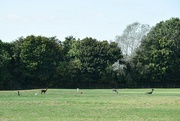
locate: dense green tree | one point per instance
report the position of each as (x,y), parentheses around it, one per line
(95,58)
(37,61)
(67,44)
(16,64)
(159,54)
(40,57)
(68,73)
(5,70)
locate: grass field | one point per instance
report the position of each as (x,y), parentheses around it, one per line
(92,105)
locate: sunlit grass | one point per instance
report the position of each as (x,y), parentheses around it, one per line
(92,105)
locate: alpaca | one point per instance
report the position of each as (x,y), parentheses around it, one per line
(150,92)
(43,91)
(77,90)
(115,90)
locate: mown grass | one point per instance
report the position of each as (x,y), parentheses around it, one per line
(92,105)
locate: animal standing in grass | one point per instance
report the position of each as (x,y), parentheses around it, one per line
(18,93)
(77,90)
(43,91)
(150,92)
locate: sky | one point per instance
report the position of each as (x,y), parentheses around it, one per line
(100,19)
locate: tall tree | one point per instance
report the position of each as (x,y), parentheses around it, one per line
(16,64)
(5,73)
(69,69)
(159,52)
(131,37)
(96,57)
(40,57)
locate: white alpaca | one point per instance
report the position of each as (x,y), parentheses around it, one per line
(77,90)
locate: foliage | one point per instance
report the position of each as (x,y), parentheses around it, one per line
(5,59)
(89,60)
(40,57)
(159,53)
(96,57)
(131,38)
(38,61)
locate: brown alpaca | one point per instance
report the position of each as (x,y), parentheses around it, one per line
(43,91)
(18,93)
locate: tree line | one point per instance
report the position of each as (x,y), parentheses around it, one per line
(140,57)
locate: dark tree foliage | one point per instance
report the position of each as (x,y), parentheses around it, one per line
(158,58)
(95,58)
(40,62)
(40,57)
(89,61)
(5,67)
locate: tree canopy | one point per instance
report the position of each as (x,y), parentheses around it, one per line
(40,62)
(159,52)
(131,38)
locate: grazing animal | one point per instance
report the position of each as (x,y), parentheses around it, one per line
(150,92)
(115,90)
(18,93)
(43,91)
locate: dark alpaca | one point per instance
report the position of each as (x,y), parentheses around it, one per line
(43,91)
(18,93)
(115,90)
(150,92)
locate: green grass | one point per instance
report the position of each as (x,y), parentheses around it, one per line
(92,105)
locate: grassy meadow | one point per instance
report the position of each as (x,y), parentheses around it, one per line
(92,105)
